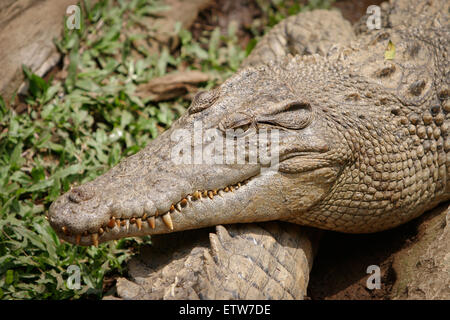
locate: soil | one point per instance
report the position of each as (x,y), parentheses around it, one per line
(222,12)
(353,10)
(339,270)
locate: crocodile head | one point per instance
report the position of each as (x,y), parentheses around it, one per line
(184,180)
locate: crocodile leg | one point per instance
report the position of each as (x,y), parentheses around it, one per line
(246,261)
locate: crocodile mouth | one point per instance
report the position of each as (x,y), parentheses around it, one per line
(185,213)
(147,223)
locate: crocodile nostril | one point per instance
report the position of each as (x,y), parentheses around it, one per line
(80,194)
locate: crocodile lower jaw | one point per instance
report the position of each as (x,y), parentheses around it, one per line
(148,223)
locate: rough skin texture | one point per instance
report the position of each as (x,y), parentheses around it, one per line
(244,261)
(363,141)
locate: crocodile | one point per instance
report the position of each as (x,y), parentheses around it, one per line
(361,121)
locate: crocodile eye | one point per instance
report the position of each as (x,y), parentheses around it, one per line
(293,115)
(236,124)
(240,131)
(203,100)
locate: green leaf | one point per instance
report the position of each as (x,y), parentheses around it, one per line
(9,276)
(73,65)
(250,46)
(16,160)
(73,169)
(3,110)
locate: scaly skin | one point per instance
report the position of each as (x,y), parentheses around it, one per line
(363,144)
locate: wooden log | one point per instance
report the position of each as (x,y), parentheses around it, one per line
(27,30)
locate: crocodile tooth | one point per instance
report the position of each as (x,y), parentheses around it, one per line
(205,194)
(239,184)
(168,221)
(139,223)
(172,208)
(111,223)
(64,229)
(183,203)
(127,224)
(210,194)
(133,220)
(151,222)
(78,239)
(118,223)
(196,195)
(214,192)
(178,206)
(123,222)
(231,188)
(100,231)
(226,189)
(94,238)
(144,217)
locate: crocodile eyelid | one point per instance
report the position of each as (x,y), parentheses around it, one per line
(289,116)
(236,120)
(203,100)
(296,105)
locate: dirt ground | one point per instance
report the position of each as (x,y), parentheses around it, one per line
(339,270)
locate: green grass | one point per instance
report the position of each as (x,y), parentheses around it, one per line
(77,128)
